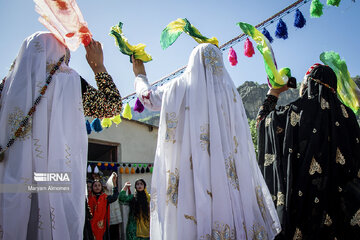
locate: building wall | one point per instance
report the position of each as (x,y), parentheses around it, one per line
(136,144)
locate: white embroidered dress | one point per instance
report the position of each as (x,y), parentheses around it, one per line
(54,141)
(206,183)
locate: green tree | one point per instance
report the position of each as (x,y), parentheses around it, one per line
(253,131)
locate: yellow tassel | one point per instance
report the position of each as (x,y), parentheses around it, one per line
(106,122)
(116,119)
(127,112)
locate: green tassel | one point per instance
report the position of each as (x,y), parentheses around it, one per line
(316,9)
(333,2)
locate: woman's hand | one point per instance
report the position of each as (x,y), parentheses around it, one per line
(276,91)
(114,179)
(127,185)
(138,66)
(95,57)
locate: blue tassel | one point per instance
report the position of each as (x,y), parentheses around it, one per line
(266,33)
(300,21)
(96,125)
(281,30)
(88,127)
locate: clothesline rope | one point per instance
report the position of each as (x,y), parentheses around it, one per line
(227,45)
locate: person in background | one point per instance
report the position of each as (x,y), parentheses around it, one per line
(138,225)
(309,153)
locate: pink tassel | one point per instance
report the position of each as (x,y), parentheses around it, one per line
(232,57)
(249,49)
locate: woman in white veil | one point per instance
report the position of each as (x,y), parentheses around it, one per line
(206,183)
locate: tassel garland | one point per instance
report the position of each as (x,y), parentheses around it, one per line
(139,107)
(281,30)
(232,57)
(316,9)
(266,33)
(300,21)
(249,48)
(96,125)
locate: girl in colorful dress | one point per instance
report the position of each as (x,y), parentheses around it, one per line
(138,226)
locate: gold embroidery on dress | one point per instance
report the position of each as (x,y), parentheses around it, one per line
(236,144)
(52,217)
(314,167)
(171,124)
(244,225)
(14,120)
(345,114)
(38,47)
(191,163)
(231,172)
(273,197)
(300,193)
(339,189)
(260,201)
(220,232)
(316,200)
(153,201)
(297,235)
(209,193)
(355,219)
(67,155)
(100,224)
(267,121)
(190,218)
(339,157)
(280,199)
(38,151)
(234,94)
(213,60)
(204,138)
(324,104)
(269,159)
(328,220)
(258,232)
(51,64)
(173,185)
(294,119)
(279,130)
(357,140)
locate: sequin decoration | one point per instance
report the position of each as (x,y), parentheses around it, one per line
(269,159)
(345,114)
(260,201)
(297,234)
(231,172)
(209,193)
(324,104)
(14,119)
(294,118)
(52,217)
(234,94)
(339,157)
(280,199)
(40,223)
(316,200)
(314,167)
(153,201)
(328,220)
(67,155)
(236,144)
(213,61)
(300,193)
(355,220)
(171,124)
(220,231)
(192,218)
(173,185)
(258,232)
(204,138)
(279,130)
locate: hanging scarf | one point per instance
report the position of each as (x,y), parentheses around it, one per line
(309,154)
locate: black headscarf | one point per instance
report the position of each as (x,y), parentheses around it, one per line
(139,205)
(309,153)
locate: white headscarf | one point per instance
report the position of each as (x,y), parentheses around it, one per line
(206,183)
(54,141)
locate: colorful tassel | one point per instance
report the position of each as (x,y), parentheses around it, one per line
(151,170)
(249,48)
(300,21)
(106,123)
(137,170)
(142,170)
(102,167)
(266,33)
(116,119)
(89,169)
(88,127)
(139,107)
(316,9)
(132,170)
(333,2)
(96,125)
(96,170)
(121,170)
(147,169)
(127,112)
(281,30)
(232,57)
(127,170)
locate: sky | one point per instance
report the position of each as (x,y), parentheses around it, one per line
(337,30)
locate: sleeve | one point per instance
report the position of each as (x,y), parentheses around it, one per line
(112,198)
(268,105)
(150,97)
(125,198)
(104,102)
